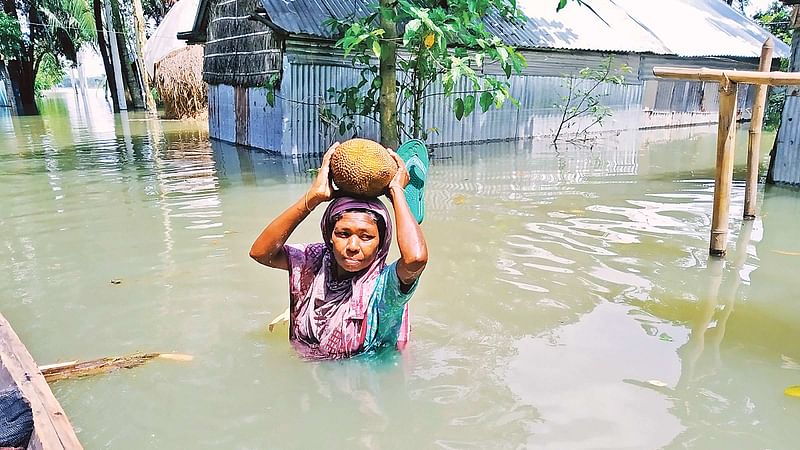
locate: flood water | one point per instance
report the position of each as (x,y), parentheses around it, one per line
(569,301)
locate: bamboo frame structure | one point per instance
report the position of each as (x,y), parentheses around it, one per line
(754,141)
(723,178)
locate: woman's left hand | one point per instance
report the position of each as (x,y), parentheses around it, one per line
(401,177)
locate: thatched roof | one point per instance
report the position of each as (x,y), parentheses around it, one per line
(240,50)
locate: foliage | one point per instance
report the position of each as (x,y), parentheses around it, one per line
(69,24)
(156,9)
(741,3)
(54,31)
(272,83)
(10,37)
(776,19)
(445,43)
(50,74)
(585,93)
(774,108)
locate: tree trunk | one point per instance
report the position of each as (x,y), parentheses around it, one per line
(130,78)
(12,93)
(23,78)
(388,72)
(21,71)
(139,18)
(101,42)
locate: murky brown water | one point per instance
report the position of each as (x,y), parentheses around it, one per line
(569,301)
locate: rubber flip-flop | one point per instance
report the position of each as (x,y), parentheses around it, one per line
(415,154)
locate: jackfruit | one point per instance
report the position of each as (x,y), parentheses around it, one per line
(362,167)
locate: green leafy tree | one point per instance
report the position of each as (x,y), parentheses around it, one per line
(10,37)
(776,18)
(443,42)
(54,27)
(50,73)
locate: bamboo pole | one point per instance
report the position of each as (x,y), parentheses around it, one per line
(140,40)
(736,76)
(726,140)
(754,142)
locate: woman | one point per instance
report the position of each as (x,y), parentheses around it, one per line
(344,299)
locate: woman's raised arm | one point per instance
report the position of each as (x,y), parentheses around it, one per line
(410,240)
(268,246)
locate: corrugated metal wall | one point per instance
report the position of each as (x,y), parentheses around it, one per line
(787,154)
(293,127)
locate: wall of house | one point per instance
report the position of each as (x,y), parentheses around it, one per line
(293,126)
(787,157)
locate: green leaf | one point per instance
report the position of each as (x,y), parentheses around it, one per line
(413,26)
(271,98)
(486,101)
(561,5)
(458,108)
(507,70)
(469,104)
(503,53)
(376,48)
(376,82)
(342,128)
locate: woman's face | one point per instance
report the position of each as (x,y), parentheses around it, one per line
(355,241)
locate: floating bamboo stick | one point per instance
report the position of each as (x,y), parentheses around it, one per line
(726,140)
(79,369)
(754,143)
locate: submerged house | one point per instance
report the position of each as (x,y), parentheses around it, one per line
(248,43)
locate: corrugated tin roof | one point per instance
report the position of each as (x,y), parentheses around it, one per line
(665,27)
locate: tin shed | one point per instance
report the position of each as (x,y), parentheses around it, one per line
(248,42)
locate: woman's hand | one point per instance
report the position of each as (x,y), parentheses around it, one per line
(321,189)
(401,178)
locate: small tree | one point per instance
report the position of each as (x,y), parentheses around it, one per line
(442,42)
(585,94)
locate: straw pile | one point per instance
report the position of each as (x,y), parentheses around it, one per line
(179,80)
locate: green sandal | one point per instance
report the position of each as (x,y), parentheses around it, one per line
(415,154)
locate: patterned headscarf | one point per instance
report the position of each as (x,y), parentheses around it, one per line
(329,317)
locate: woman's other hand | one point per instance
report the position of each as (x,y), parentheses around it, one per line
(321,189)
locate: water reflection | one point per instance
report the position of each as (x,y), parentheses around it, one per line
(569,301)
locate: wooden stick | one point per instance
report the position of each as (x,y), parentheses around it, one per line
(754,143)
(736,76)
(79,369)
(726,140)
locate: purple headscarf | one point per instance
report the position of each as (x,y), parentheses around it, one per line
(328,315)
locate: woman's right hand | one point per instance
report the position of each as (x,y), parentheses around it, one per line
(321,189)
